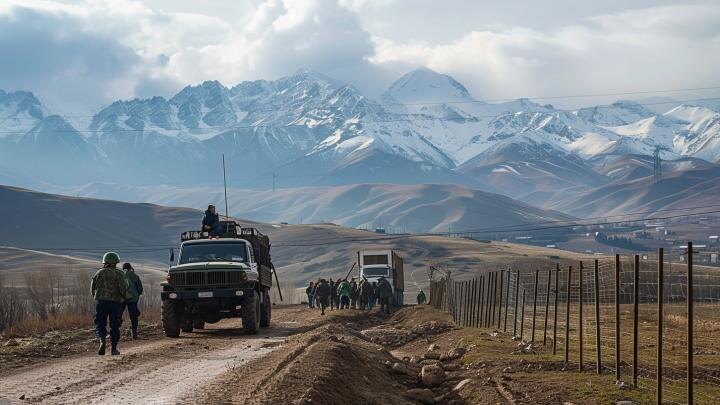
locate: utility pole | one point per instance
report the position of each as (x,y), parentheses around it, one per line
(657,165)
(274,177)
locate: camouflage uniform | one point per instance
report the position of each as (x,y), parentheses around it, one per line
(110,289)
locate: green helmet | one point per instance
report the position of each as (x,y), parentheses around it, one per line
(111,258)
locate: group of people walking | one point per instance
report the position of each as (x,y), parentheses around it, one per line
(114,291)
(344,294)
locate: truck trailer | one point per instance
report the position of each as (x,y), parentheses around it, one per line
(373,264)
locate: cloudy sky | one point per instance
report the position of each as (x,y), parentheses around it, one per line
(79,55)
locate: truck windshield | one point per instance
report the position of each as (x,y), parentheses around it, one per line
(375,272)
(213,252)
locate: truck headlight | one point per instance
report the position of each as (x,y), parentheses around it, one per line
(172,296)
(239,293)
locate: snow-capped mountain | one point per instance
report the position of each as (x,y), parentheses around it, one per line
(310,129)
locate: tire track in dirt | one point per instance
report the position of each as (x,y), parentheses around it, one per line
(158,372)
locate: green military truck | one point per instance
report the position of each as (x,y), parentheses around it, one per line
(215,278)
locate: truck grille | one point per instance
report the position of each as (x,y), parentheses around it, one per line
(205,278)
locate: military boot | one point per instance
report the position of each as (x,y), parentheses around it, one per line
(101,349)
(115,351)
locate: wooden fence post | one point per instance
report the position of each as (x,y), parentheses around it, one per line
(690,295)
(522,316)
(636,296)
(482,300)
(661,316)
(547,307)
(598,341)
(567,316)
(494,299)
(502,276)
(580,317)
(537,274)
(618,372)
(507,300)
(557,292)
(517,291)
(473,319)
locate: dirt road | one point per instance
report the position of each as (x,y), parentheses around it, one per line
(154,371)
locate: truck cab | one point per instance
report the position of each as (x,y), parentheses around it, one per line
(217,278)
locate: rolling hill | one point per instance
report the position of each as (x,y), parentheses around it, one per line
(406,208)
(143,233)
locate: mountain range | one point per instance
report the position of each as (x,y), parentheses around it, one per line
(308,129)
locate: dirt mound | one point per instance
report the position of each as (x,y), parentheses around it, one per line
(330,364)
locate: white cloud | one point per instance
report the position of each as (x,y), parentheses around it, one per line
(94,51)
(653,48)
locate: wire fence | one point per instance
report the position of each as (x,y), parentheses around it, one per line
(651,320)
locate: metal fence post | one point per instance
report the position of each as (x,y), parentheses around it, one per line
(636,296)
(557,286)
(580,317)
(690,294)
(567,316)
(661,315)
(537,274)
(502,277)
(507,300)
(547,303)
(598,341)
(517,291)
(618,372)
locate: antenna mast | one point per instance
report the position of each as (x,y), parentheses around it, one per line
(225,185)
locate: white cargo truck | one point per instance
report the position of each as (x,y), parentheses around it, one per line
(374,264)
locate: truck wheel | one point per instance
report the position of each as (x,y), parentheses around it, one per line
(170,314)
(251,315)
(187,326)
(198,324)
(266,311)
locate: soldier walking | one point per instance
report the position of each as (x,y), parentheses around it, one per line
(421,297)
(310,291)
(135,290)
(109,288)
(344,293)
(322,293)
(333,294)
(353,293)
(385,292)
(365,293)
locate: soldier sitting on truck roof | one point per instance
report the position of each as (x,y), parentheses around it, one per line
(211,222)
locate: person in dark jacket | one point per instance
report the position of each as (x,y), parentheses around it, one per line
(353,293)
(365,293)
(211,222)
(310,291)
(385,294)
(135,290)
(322,294)
(333,294)
(109,288)
(373,296)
